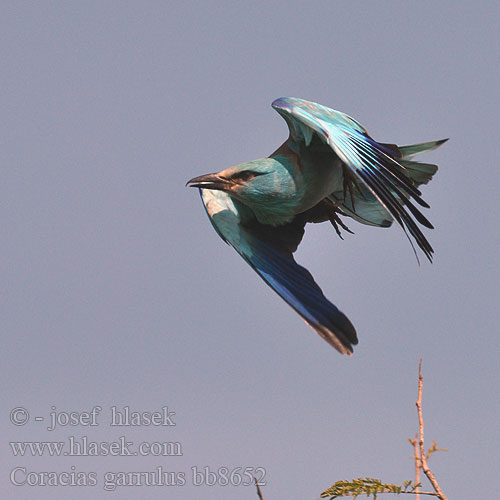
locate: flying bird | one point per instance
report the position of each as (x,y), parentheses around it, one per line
(328,167)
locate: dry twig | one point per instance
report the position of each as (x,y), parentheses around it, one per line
(422,457)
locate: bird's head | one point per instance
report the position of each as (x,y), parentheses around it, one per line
(263,185)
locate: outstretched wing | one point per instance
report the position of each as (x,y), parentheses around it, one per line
(268,250)
(375,165)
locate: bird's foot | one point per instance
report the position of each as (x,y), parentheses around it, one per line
(336,221)
(333,216)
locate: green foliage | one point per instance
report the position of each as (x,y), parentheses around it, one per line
(366,486)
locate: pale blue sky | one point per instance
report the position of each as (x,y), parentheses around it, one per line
(117,291)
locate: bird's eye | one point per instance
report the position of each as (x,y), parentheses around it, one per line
(246,175)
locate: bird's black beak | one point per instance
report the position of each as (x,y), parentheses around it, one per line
(209,181)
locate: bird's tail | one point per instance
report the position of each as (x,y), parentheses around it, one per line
(419,173)
(408,152)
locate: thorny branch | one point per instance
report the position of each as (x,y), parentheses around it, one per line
(419,453)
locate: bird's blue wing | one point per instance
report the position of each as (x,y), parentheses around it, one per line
(374,164)
(269,251)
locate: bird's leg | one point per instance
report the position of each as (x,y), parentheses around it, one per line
(350,181)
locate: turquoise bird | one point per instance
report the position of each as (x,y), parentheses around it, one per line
(328,167)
